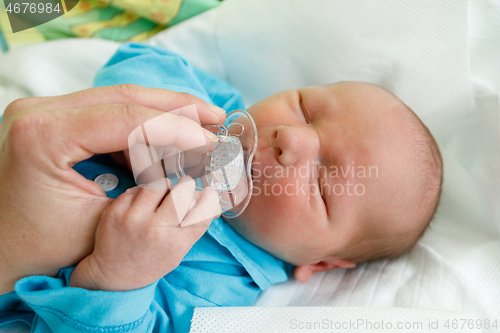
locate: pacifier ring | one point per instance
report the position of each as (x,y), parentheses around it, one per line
(242,129)
(232,196)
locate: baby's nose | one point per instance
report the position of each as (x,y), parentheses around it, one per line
(295,144)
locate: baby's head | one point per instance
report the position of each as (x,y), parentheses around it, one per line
(343,174)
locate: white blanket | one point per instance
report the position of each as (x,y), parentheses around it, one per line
(419,50)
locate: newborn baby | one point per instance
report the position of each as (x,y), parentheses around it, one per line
(371,185)
(379,174)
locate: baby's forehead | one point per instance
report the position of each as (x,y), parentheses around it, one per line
(357,99)
(359,87)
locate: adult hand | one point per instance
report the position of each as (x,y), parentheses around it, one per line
(49,212)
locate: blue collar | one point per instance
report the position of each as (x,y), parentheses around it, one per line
(264,268)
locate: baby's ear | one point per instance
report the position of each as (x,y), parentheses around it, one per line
(304,273)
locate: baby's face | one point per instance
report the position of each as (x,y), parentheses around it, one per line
(329,163)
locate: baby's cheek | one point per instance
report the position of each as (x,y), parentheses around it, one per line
(259,217)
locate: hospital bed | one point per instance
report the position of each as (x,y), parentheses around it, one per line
(442,58)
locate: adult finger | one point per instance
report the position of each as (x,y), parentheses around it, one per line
(106,128)
(145,164)
(163,138)
(154,98)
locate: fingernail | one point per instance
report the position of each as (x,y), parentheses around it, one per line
(210,138)
(210,189)
(185,224)
(217,110)
(184,179)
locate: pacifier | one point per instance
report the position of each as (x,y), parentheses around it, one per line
(227,166)
(223,162)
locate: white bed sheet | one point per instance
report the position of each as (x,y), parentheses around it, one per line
(456,265)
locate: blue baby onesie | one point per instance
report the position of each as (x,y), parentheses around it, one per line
(222,268)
